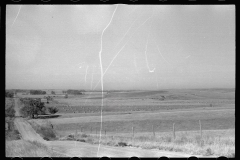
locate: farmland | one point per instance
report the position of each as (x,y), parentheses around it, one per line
(145,112)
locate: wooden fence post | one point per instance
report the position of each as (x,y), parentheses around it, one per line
(173,130)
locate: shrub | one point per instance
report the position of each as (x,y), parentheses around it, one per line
(81,140)
(12,133)
(32,107)
(122,144)
(52,110)
(9,112)
(45,131)
(9,94)
(84,135)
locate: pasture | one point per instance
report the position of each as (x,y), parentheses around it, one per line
(144,112)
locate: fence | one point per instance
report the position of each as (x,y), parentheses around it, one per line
(134,131)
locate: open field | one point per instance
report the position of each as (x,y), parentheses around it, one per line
(148,112)
(22,148)
(213,142)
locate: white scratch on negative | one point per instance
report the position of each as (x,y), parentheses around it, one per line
(121,50)
(17,15)
(161,54)
(100,59)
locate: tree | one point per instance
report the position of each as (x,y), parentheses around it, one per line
(52,110)
(32,107)
(53,92)
(9,112)
(34,92)
(75,92)
(9,94)
(49,98)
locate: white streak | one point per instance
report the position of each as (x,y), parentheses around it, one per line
(146,50)
(17,15)
(121,50)
(100,59)
(187,56)
(161,54)
(92,77)
(146,55)
(86,74)
(127,32)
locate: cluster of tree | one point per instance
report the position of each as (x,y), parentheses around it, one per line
(9,94)
(49,98)
(52,110)
(9,112)
(20,90)
(34,107)
(75,92)
(34,92)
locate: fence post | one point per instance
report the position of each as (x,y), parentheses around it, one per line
(153,131)
(174,131)
(96,130)
(105,132)
(91,129)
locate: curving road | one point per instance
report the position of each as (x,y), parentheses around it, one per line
(80,149)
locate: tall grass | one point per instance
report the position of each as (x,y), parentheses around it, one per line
(21,148)
(45,130)
(213,143)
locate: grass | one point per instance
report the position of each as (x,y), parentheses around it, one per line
(213,143)
(9,102)
(162,123)
(44,129)
(21,148)
(11,133)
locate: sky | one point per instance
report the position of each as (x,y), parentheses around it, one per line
(148,47)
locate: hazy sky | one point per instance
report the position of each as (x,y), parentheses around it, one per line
(150,47)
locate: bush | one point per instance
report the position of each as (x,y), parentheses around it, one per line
(12,133)
(9,112)
(52,110)
(9,94)
(45,131)
(122,144)
(32,107)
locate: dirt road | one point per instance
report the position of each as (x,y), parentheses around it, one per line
(16,107)
(80,149)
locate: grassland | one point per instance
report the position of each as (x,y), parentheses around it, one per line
(213,143)
(21,148)
(145,110)
(11,133)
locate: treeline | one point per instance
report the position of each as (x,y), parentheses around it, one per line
(34,107)
(9,94)
(34,92)
(75,92)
